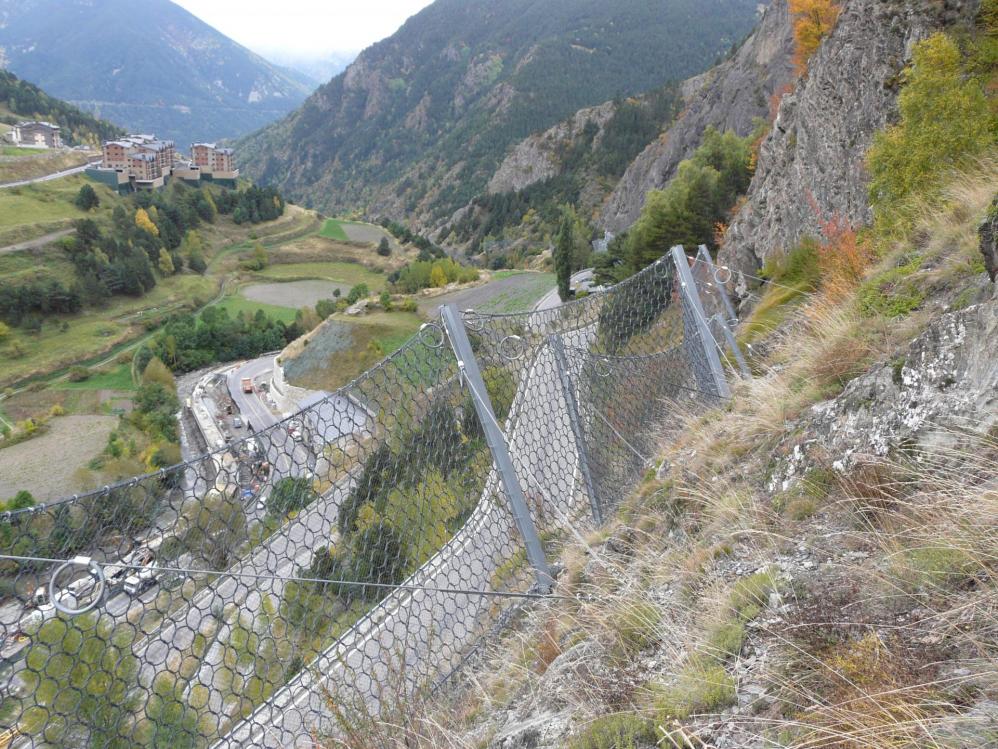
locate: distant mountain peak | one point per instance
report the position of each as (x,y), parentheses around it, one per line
(147,65)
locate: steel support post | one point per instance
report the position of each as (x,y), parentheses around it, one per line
(691,296)
(496,440)
(736,350)
(571,403)
(703,255)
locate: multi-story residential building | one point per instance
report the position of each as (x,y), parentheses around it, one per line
(143,167)
(143,161)
(37,134)
(164,152)
(115,154)
(214,161)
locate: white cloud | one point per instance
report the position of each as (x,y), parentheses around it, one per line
(304,28)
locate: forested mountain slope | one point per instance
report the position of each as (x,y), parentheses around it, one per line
(25,100)
(148,66)
(420,122)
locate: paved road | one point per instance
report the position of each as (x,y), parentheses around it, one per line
(582,281)
(33,244)
(255,412)
(48,177)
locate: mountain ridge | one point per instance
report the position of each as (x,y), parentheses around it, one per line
(441,101)
(186,82)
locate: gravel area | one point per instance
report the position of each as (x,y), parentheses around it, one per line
(293,294)
(516,293)
(365,233)
(332,338)
(46,465)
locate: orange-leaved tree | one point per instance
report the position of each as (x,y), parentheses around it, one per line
(813,21)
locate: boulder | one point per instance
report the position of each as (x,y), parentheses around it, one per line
(988,233)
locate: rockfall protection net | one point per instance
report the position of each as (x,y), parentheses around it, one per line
(351,554)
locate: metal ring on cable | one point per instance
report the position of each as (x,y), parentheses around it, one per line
(472,320)
(504,347)
(95,570)
(717,272)
(606,371)
(429,342)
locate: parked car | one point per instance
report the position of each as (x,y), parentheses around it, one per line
(237,423)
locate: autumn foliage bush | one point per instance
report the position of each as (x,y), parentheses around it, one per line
(813,20)
(843,258)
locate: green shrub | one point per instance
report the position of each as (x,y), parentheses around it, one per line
(750,594)
(78,374)
(702,687)
(726,639)
(945,121)
(937,567)
(892,293)
(636,625)
(621,731)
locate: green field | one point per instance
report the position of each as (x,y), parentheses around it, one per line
(347,273)
(118,378)
(18,151)
(235,304)
(333,229)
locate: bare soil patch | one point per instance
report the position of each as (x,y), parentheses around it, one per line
(294,294)
(46,465)
(314,248)
(366,233)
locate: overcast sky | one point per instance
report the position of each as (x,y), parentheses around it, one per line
(305,28)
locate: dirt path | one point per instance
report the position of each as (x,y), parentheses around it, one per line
(34,244)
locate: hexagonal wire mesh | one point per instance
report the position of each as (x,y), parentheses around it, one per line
(348,555)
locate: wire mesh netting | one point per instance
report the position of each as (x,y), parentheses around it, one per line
(352,553)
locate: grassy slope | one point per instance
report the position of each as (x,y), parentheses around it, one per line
(840,587)
(28,163)
(34,210)
(296,253)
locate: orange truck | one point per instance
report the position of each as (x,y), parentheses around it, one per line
(247,385)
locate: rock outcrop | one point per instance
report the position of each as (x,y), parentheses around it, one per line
(989,240)
(538,157)
(729,97)
(814,155)
(945,381)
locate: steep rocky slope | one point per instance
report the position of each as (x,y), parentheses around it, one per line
(811,166)
(420,122)
(812,566)
(729,97)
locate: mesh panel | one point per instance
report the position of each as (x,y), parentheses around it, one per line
(336,561)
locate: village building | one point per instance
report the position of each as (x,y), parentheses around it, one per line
(36,134)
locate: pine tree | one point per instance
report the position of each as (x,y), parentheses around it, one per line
(563,246)
(86,199)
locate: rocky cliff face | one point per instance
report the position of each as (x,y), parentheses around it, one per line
(815,152)
(537,158)
(729,97)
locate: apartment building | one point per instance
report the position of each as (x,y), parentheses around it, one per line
(142,161)
(214,161)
